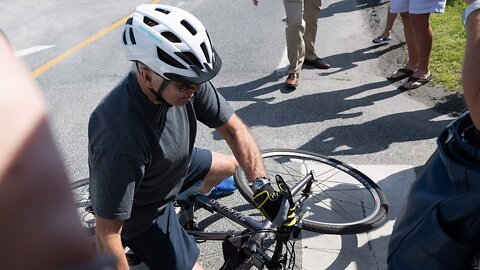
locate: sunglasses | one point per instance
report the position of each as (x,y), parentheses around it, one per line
(182,87)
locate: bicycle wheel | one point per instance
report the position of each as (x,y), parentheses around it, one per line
(81,196)
(343,200)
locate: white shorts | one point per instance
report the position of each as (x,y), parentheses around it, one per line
(417,6)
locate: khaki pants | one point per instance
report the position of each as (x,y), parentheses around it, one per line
(301,31)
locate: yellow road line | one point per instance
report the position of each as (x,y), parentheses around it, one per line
(81,45)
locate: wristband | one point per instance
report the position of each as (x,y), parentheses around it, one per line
(259,183)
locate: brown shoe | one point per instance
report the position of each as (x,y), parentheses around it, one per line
(292,80)
(318,63)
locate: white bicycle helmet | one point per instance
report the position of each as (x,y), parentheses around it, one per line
(172,42)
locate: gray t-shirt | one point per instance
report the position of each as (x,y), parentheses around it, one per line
(138,152)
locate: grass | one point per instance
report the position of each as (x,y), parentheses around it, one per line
(448,47)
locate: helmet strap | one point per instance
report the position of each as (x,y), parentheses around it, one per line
(161,88)
(158,94)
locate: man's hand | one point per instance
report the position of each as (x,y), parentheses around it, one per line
(274,206)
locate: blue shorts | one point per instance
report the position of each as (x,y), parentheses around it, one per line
(166,245)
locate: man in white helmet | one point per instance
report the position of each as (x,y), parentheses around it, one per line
(142,136)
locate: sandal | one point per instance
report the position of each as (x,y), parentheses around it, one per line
(414,83)
(381,40)
(400,74)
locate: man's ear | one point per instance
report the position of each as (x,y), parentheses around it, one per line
(147,77)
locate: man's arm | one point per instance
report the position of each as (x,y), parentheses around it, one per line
(471,66)
(107,233)
(244,147)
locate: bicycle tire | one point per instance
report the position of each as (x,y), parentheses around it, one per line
(81,197)
(343,199)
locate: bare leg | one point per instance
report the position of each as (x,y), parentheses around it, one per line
(387,31)
(222,167)
(197,266)
(412,61)
(389,24)
(423,35)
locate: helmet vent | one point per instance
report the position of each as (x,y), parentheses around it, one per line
(149,21)
(166,58)
(209,40)
(164,11)
(190,58)
(125,37)
(132,37)
(205,52)
(189,27)
(171,37)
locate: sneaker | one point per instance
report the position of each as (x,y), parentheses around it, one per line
(225,188)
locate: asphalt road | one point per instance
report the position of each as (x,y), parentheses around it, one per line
(349,112)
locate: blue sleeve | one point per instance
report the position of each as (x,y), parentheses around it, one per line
(211,108)
(113,177)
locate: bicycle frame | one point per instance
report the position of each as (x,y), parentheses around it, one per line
(258,228)
(214,206)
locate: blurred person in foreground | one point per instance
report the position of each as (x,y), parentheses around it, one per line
(439,225)
(39,225)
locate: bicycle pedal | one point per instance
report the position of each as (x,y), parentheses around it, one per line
(191,226)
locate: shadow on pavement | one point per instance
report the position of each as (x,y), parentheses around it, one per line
(348,60)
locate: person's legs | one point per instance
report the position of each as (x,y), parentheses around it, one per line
(423,36)
(197,266)
(412,61)
(389,24)
(207,169)
(294,33)
(385,36)
(166,245)
(311,11)
(222,166)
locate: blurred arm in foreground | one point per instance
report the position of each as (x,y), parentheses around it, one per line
(39,226)
(471,66)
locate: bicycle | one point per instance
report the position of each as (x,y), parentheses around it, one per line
(331,198)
